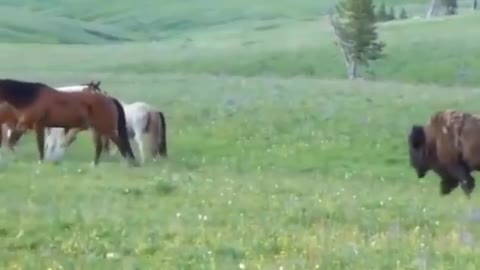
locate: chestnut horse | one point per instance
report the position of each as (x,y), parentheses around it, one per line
(38,106)
(141,119)
(10,136)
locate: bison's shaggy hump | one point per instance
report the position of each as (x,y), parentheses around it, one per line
(448,144)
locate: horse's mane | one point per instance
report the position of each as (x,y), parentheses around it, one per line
(19,93)
(73,88)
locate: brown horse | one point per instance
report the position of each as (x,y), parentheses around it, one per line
(92,87)
(38,105)
(10,136)
(141,119)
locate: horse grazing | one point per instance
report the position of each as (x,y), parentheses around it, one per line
(144,119)
(59,138)
(141,119)
(449,144)
(38,106)
(10,136)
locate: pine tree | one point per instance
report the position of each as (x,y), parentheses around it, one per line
(356,34)
(391,14)
(381,13)
(403,14)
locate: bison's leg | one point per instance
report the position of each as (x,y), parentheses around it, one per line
(468,185)
(448,182)
(463,173)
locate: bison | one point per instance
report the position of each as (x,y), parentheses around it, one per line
(449,144)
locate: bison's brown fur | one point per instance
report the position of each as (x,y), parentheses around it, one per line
(449,144)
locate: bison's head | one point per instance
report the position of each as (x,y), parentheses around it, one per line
(419,158)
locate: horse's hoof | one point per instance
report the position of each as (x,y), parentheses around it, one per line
(133,163)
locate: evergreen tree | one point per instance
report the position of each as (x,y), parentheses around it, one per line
(357,34)
(391,14)
(403,14)
(381,13)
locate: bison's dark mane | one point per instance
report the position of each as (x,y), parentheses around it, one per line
(417,136)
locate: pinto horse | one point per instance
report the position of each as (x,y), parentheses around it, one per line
(38,106)
(143,119)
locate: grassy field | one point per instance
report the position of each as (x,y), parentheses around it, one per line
(263,172)
(274,162)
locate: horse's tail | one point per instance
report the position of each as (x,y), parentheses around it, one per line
(162,146)
(124,143)
(156,129)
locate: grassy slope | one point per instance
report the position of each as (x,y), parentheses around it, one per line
(307,49)
(269,172)
(93,22)
(251,47)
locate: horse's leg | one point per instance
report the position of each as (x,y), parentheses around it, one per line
(48,141)
(14,137)
(106,145)
(97,138)
(71,136)
(123,149)
(40,132)
(55,142)
(2,136)
(138,138)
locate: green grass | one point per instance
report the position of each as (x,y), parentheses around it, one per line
(274,162)
(262,171)
(447,57)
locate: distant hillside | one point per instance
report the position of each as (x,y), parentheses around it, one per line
(96,22)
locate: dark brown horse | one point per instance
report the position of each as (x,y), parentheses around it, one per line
(11,136)
(38,106)
(92,87)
